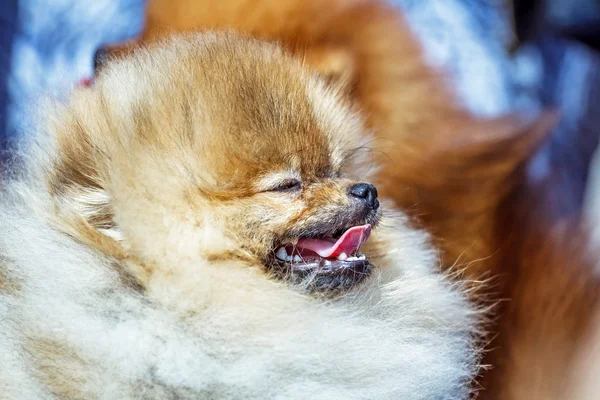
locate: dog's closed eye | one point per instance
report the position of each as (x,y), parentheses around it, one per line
(287,185)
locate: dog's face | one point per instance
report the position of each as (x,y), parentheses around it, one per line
(292,206)
(217,147)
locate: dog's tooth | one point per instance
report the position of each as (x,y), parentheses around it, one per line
(297,259)
(352,259)
(288,258)
(281,253)
(342,256)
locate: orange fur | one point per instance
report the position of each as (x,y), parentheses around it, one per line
(456,176)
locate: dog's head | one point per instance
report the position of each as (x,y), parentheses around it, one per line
(216,147)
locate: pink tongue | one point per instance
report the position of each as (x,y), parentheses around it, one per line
(349,243)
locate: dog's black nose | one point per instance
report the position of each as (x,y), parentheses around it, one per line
(367,192)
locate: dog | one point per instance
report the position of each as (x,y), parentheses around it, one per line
(465,180)
(200,224)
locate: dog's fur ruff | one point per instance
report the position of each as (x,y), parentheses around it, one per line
(115,285)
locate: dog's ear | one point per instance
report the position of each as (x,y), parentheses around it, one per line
(335,63)
(487,152)
(452,180)
(77,185)
(467,155)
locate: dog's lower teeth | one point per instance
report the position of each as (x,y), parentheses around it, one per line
(281,254)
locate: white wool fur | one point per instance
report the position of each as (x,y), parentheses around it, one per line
(407,336)
(70,327)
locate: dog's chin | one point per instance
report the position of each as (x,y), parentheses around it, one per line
(326,264)
(323,275)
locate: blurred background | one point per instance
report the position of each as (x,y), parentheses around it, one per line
(502,54)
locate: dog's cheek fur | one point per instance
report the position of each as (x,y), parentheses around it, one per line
(259,222)
(120,209)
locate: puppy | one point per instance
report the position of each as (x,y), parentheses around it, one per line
(456,176)
(500,197)
(199,224)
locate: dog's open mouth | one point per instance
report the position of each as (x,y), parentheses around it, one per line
(327,263)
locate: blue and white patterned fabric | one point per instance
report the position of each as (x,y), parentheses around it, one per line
(469,40)
(52,46)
